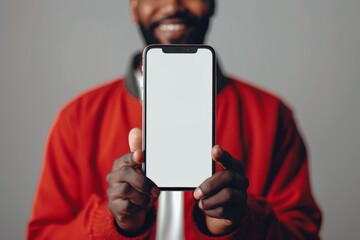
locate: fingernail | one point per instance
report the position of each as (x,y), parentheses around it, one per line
(198,193)
(155,192)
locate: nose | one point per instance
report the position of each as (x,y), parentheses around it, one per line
(173,6)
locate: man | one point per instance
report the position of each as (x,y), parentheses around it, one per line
(261,187)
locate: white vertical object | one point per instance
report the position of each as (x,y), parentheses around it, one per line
(170,216)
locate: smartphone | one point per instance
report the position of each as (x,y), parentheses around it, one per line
(178,114)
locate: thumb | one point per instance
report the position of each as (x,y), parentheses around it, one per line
(224,159)
(135,139)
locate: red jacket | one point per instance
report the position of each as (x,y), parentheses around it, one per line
(92,131)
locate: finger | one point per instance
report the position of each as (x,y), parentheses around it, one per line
(124,207)
(224,159)
(135,178)
(133,159)
(127,192)
(218,181)
(225,197)
(226,212)
(135,139)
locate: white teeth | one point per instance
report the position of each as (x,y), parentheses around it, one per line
(171,27)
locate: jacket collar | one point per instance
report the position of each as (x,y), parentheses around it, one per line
(133,88)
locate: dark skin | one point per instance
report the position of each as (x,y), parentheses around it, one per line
(172,21)
(131,194)
(222,197)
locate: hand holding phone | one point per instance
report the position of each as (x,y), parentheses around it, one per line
(131,194)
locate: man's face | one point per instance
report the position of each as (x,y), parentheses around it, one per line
(172,21)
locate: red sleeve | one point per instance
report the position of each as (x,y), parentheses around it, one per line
(288,210)
(59,210)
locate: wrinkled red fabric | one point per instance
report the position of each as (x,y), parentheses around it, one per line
(92,130)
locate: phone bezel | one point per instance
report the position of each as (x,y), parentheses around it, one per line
(179,49)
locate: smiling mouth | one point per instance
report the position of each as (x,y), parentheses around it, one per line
(172,30)
(169,27)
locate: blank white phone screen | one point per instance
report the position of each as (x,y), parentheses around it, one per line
(178,117)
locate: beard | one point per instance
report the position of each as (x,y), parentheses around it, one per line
(148,35)
(196,28)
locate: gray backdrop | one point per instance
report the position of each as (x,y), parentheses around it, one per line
(306,51)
